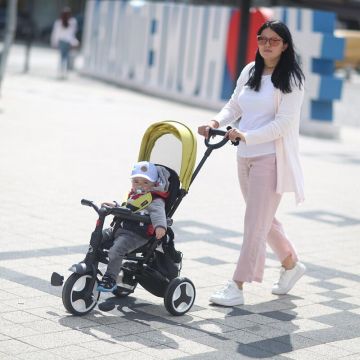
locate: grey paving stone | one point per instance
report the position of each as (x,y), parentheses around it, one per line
(296,341)
(327,285)
(340,319)
(273,347)
(334,294)
(341,305)
(236,322)
(278,315)
(210,260)
(242,336)
(331,334)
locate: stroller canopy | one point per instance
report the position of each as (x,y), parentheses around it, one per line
(188,145)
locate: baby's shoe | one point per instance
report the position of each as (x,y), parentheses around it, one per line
(106,284)
(288,279)
(229,295)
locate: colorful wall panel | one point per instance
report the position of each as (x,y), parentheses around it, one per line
(188,53)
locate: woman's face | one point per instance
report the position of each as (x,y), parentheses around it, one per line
(270,45)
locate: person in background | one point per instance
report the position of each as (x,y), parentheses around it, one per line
(63,37)
(267,99)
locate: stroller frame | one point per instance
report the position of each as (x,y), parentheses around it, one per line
(150,268)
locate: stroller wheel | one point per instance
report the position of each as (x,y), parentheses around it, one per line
(79,294)
(179,296)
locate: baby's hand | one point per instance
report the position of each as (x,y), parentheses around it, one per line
(160,232)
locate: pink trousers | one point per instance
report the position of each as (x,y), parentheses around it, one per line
(257,177)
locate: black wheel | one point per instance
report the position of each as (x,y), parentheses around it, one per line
(179,296)
(79,294)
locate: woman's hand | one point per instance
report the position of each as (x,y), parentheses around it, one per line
(203,130)
(234,134)
(160,232)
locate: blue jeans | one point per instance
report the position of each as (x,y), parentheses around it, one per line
(64,48)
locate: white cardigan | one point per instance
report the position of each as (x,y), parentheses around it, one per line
(284,130)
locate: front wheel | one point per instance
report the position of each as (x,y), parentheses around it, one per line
(79,294)
(179,296)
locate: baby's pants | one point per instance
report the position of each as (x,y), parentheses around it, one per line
(257,177)
(125,242)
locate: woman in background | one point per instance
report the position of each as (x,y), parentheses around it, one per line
(63,37)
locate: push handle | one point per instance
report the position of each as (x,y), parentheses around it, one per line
(213,133)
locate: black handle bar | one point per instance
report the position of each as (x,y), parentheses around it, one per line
(213,133)
(123,212)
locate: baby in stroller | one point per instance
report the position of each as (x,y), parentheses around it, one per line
(150,185)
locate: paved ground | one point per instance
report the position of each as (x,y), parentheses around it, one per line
(61,141)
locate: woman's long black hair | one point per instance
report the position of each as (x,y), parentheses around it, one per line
(286,70)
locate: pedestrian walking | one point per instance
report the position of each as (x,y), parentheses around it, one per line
(267,99)
(63,37)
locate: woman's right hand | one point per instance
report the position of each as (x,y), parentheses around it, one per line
(203,130)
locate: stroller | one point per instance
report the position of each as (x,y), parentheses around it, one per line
(156,265)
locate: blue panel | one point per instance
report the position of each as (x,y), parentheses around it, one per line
(228,84)
(324,21)
(284,15)
(321,110)
(299,19)
(151,58)
(153,27)
(322,66)
(332,47)
(330,88)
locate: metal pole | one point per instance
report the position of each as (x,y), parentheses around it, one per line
(10,29)
(30,28)
(244,7)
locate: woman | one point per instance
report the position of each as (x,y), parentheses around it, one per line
(268,98)
(63,37)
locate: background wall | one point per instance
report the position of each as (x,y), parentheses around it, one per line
(188,53)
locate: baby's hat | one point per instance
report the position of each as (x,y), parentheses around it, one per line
(145,169)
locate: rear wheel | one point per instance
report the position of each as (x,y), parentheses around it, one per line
(79,294)
(179,296)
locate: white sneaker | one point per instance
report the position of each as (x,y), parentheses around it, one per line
(229,295)
(288,279)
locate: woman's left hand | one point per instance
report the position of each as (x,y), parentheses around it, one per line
(234,134)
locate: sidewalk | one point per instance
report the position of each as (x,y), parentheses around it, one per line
(61,141)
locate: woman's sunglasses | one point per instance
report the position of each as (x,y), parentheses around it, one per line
(262,40)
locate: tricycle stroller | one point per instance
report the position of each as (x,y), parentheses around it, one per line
(155,266)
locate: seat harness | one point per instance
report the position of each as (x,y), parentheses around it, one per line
(137,203)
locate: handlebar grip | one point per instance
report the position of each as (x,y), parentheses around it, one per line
(237,140)
(214,132)
(86,202)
